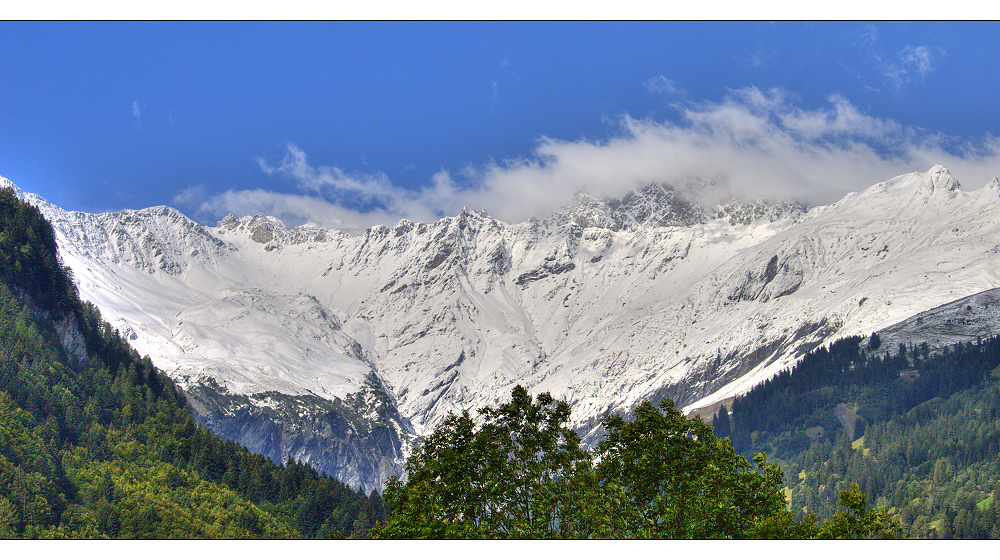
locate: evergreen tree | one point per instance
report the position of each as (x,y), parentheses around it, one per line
(721,423)
(874,342)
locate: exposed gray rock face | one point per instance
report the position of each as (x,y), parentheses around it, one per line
(745,212)
(356,440)
(964,320)
(71,339)
(659,205)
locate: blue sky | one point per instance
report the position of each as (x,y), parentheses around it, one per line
(351,124)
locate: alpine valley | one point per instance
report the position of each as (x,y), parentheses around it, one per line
(343,349)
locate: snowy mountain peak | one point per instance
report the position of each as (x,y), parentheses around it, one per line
(653,205)
(941,179)
(262,228)
(745,212)
(607,303)
(659,205)
(466,211)
(936,179)
(910,196)
(270,231)
(229,222)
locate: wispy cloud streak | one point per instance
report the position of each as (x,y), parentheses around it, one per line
(910,64)
(664,85)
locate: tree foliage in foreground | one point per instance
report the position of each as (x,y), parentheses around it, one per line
(668,476)
(518,471)
(511,475)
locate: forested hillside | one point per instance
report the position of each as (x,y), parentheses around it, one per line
(918,431)
(96,442)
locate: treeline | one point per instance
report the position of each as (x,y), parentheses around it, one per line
(919,432)
(29,257)
(878,386)
(105,446)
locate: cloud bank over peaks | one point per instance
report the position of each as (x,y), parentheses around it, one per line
(328,196)
(753,143)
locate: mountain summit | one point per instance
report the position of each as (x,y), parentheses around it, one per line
(341,349)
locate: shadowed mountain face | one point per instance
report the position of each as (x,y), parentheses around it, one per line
(341,349)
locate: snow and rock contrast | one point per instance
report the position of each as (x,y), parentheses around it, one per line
(969,319)
(341,349)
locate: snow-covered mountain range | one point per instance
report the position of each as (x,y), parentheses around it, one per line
(341,349)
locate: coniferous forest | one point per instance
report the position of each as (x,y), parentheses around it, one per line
(919,432)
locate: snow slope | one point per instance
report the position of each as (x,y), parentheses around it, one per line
(605,303)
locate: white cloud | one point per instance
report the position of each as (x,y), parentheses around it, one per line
(912,63)
(755,143)
(292,209)
(842,119)
(327,179)
(190,195)
(662,84)
(918,58)
(758,58)
(135,110)
(373,192)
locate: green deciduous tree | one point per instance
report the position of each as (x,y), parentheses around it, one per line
(505,474)
(675,479)
(518,471)
(859,521)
